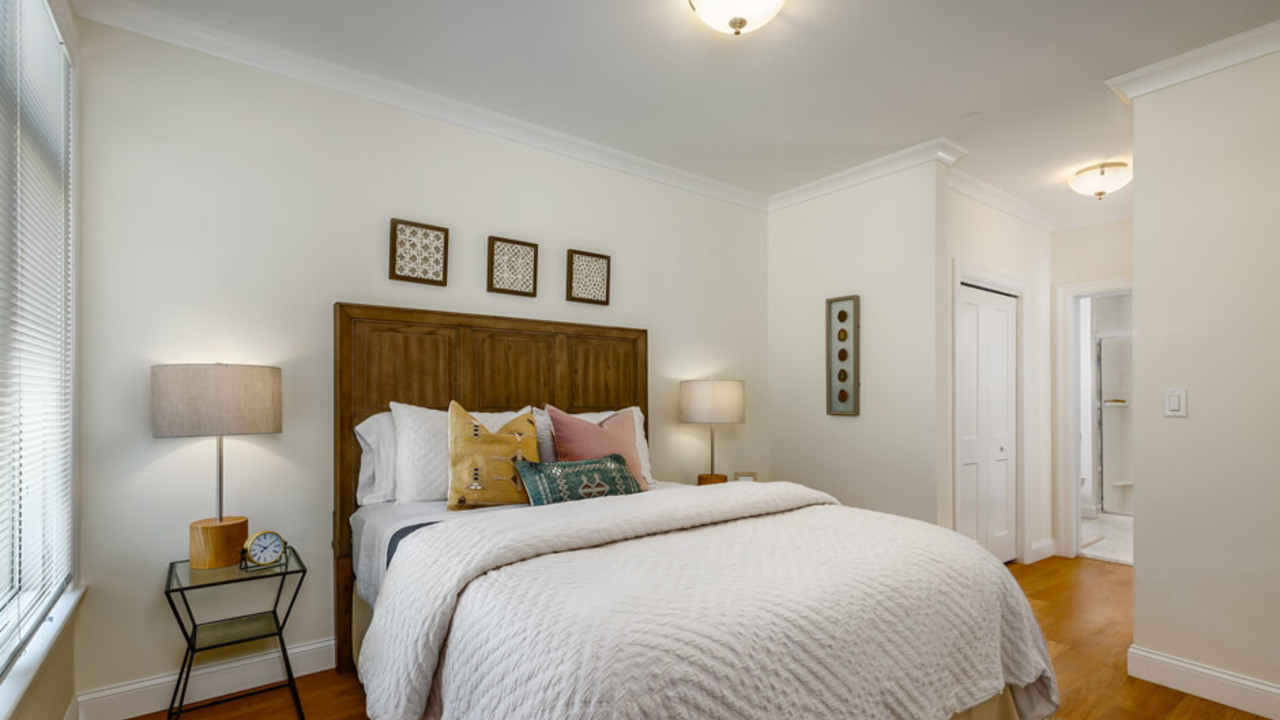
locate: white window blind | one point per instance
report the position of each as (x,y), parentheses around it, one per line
(36,328)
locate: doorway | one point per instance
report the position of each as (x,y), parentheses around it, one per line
(986,418)
(1105,400)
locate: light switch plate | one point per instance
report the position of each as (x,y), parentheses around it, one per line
(1175,402)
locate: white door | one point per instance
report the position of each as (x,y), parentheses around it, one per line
(986,419)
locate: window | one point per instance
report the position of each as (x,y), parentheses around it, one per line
(36,330)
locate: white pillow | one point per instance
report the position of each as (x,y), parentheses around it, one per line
(377,438)
(422,449)
(547,444)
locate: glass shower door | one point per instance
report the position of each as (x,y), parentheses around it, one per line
(1115,422)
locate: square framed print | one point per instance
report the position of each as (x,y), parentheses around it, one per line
(513,266)
(419,252)
(587,277)
(843,349)
(746,476)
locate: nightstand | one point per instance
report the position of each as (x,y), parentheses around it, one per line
(221,632)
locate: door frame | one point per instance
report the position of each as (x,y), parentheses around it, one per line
(974,275)
(1067,412)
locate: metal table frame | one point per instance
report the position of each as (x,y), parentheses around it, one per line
(212,634)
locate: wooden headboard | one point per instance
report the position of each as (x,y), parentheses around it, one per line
(427,358)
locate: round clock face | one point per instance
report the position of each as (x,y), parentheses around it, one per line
(264,547)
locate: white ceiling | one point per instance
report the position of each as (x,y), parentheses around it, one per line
(830,84)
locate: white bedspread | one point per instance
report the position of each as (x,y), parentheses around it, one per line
(738,601)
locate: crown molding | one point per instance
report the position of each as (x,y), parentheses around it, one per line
(197,36)
(939,149)
(1246,46)
(989,194)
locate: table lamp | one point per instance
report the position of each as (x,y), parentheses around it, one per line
(711,402)
(218,400)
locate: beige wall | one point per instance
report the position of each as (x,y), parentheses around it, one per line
(992,244)
(1093,252)
(226,209)
(877,240)
(54,688)
(1206,253)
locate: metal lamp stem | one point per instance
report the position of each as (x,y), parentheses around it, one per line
(219,478)
(713,447)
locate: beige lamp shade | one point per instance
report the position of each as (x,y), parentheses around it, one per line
(713,401)
(214,399)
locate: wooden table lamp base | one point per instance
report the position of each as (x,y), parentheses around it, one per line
(217,543)
(711,478)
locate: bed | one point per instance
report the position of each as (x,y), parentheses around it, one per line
(747,600)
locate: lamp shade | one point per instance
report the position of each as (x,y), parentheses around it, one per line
(713,401)
(214,399)
(735,17)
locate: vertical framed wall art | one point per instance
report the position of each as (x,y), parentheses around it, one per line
(587,277)
(843,348)
(419,253)
(513,267)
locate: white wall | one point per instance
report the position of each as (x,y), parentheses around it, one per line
(877,240)
(226,209)
(987,243)
(1093,252)
(1206,254)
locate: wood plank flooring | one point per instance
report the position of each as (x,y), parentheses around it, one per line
(1084,607)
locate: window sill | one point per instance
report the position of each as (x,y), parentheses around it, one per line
(14,686)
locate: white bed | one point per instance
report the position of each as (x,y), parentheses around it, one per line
(600,609)
(374,527)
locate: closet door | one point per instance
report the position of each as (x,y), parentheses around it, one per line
(986,419)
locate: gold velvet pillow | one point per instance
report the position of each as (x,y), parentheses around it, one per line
(482,464)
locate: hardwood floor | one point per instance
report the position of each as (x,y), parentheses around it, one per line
(1084,607)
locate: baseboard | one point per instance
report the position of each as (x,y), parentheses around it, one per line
(1041,549)
(1239,691)
(148,695)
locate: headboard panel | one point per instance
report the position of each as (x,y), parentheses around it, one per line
(487,363)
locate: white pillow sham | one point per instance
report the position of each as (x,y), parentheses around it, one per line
(547,445)
(377,438)
(422,449)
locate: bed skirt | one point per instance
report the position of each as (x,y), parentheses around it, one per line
(1000,707)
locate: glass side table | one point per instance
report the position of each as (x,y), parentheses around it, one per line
(221,632)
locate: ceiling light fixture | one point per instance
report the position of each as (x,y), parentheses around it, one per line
(734,17)
(1102,179)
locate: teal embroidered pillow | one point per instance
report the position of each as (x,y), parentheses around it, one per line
(555,482)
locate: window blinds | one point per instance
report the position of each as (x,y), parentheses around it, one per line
(36,329)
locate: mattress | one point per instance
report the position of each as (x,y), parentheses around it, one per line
(378,529)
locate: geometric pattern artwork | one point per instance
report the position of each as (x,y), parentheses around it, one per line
(843,350)
(588,277)
(513,267)
(419,253)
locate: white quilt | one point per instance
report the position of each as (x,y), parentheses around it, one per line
(740,601)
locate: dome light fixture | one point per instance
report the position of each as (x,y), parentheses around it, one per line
(734,17)
(1102,179)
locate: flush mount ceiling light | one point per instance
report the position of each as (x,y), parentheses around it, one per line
(734,17)
(1102,179)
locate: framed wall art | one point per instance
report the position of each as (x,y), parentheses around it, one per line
(513,267)
(419,253)
(587,277)
(843,348)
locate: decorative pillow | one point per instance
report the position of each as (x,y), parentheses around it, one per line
(577,480)
(578,439)
(422,450)
(546,435)
(377,438)
(482,462)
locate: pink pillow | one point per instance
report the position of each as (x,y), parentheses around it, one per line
(577,439)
